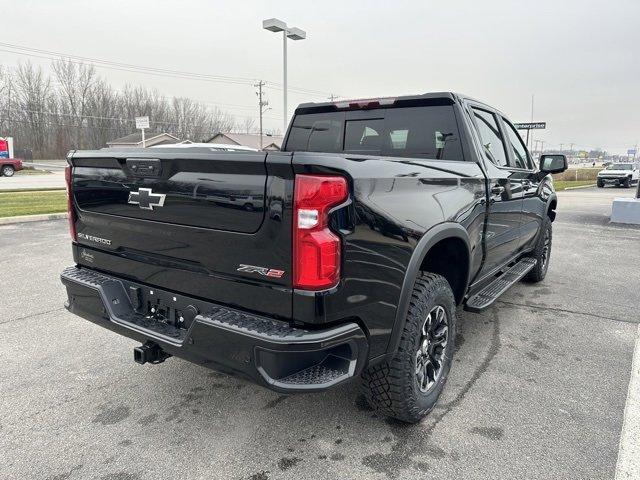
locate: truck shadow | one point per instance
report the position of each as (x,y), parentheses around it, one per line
(319,430)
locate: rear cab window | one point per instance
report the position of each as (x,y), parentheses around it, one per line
(429,132)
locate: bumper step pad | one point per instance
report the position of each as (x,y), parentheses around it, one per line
(252,324)
(320,374)
(492,292)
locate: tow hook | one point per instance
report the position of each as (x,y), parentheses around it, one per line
(149,353)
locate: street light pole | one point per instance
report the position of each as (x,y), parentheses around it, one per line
(284,76)
(275,25)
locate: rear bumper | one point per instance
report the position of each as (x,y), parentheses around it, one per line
(267,351)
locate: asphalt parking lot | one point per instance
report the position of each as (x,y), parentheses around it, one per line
(537,390)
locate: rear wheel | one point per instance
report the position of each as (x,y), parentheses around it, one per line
(541,253)
(600,184)
(7,171)
(407,387)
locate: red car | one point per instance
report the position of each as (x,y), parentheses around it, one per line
(8,166)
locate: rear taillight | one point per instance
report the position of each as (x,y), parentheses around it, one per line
(316,249)
(70,210)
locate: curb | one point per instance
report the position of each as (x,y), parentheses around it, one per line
(32,218)
(581,186)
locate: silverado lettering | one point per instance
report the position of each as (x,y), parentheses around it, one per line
(91,238)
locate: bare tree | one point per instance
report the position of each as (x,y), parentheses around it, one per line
(33,99)
(83,111)
(103,117)
(5,100)
(76,81)
(248,125)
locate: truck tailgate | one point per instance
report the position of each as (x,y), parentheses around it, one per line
(188,222)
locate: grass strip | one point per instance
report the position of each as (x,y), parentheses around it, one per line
(32,203)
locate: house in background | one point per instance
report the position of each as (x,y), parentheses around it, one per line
(135,140)
(269,142)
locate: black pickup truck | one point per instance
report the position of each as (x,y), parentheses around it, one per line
(344,255)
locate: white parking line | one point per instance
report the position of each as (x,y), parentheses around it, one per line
(628,466)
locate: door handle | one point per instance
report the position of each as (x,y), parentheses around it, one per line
(497,189)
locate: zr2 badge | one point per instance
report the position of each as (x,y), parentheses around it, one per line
(265,272)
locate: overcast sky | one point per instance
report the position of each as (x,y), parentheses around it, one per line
(580,58)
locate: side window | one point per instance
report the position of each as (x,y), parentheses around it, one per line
(520,153)
(422,132)
(490,136)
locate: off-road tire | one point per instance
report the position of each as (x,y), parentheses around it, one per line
(7,171)
(626,183)
(600,184)
(392,387)
(537,273)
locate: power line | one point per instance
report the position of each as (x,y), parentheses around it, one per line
(98,117)
(165,97)
(128,67)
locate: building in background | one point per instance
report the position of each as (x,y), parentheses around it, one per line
(135,140)
(269,142)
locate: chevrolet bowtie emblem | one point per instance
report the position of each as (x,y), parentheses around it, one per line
(146,199)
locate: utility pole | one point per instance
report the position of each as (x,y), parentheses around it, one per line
(261,104)
(333,97)
(561,145)
(532,97)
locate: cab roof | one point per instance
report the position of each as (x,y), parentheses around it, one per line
(432,98)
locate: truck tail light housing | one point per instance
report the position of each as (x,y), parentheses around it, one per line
(70,210)
(316,249)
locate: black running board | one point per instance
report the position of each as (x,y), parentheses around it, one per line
(489,294)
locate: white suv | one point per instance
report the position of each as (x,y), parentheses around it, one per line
(621,174)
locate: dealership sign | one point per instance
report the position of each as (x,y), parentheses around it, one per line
(531,126)
(142,122)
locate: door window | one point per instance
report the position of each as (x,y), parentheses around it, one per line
(520,154)
(491,137)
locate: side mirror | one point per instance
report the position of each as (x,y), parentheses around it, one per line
(553,163)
